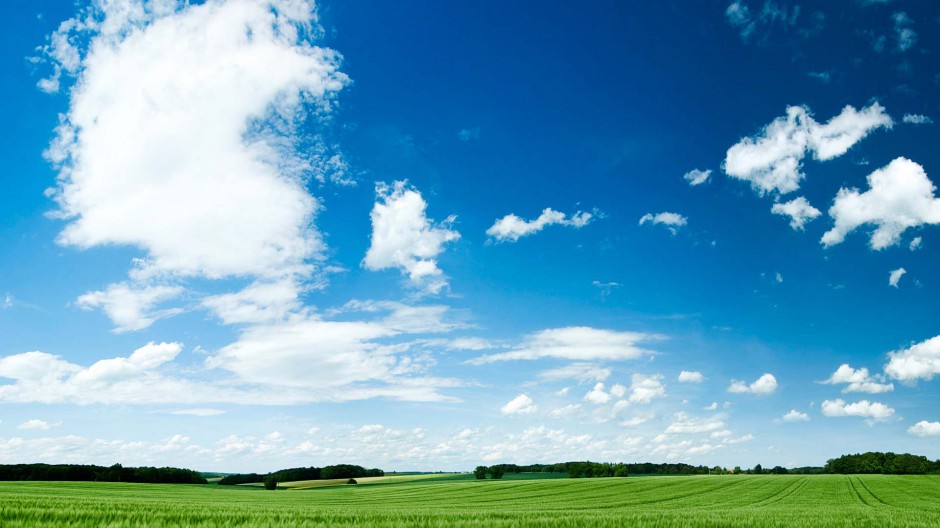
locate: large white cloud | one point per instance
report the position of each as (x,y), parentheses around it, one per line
(874,411)
(521,404)
(900,196)
(925,428)
(580,343)
(186,137)
(510,227)
(771,160)
(403,237)
(858,380)
(920,361)
(764,385)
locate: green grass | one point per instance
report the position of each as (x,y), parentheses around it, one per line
(745,501)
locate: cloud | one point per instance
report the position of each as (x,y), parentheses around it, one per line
(900,196)
(684,423)
(712,407)
(597,395)
(404,238)
(687,376)
(858,380)
(764,385)
(771,15)
(34,424)
(906,36)
(521,404)
(131,307)
(895,276)
(259,302)
(920,361)
(874,411)
(823,77)
(582,372)
(771,160)
(798,209)
(7,302)
(673,221)
(795,416)
(566,411)
(925,428)
(917,119)
(644,389)
(511,227)
(580,343)
(201,411)
(697,177)
(469,134)
(915,244)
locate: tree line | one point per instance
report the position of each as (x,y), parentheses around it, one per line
(338,471)
(886,463)
(90,473)
(587,469)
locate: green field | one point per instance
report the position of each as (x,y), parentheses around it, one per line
(786,500)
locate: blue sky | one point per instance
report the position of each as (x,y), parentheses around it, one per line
(252,234)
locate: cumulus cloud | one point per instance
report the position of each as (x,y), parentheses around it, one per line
(795,416)
(672,221)
(697,177)
(798,209)
(644,389)
(925,428)
(764,385)
(900,196)
(521,404)
(684,423)
(403,237)
(895,276)
(771,160)
(874,411)
(917,119)
(598,395)
(687,376)
(915,244)
(510,227)
(920,361)
(34,424)
(580,343)
(858,380)
(131,307)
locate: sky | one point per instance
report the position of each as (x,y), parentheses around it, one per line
(247,235)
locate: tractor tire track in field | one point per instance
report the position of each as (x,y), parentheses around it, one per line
(784,493)
(854,489)
(862,483)
(693,494)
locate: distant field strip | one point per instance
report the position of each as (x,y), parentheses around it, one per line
(435,501)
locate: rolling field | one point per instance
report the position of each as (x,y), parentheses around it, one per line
(819,500)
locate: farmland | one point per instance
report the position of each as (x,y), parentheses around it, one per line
(791,500)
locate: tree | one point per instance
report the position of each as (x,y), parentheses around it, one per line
(497,472)
(737,470)
(758,469)
(270,483)
(480,472)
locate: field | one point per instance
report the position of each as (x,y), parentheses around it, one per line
(751,501)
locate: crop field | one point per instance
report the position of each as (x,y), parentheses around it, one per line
(746,501)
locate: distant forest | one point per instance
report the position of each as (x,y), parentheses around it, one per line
(871,462)
(115,473)
(339,471)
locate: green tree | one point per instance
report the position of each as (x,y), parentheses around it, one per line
(270,483)
(758,469)
(480,472)
(497,472)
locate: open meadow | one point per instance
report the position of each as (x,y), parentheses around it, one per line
(701,501)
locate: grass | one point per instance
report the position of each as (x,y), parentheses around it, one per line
(745,501)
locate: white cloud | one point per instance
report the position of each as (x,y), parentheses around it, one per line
(521,404)
(900,196)
(858,380)
(201,411)
(771,161)
(259,302)
(192,148)
(34,424)
(895,276)
(778,278)
(917,119)
(770,15)
(915,244)
(643,389)
(672,221)
(764,385)
(874,411)
(795,416)
(404,238)
(920,361)
(712,407)
(906,36)
(798,209)
(566,411)
(131,308)
(582,372)
(578,343)
(925,428)
(597,395)
(823,76)
(687,376)
(511,227)
(686,424)
(697,177)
